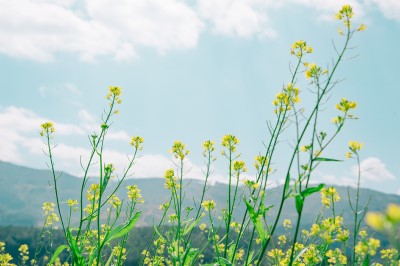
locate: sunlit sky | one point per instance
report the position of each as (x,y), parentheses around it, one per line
(191,71)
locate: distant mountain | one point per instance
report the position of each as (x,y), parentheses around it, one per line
(23,191)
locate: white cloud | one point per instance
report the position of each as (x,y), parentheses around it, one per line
(238,17)
(373,169)
(59,90)
(38,29)
(390,8)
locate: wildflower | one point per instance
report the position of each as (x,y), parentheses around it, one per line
(393,213)
(178,150)
(251,184)
(300,47)
(202,226)
(260,161)
(346,105)
(336,256)
(329,196)
(287,223)
(93,193)
(230,142)
(375,220)
(72,202)
(235,226)
(136,142)
(23,253)
(208,147)
(345,14)
(134,194)
(362,27)
(282,240)
(114,94)
(47,128)
(114,201)
(170,179)
(239,167)
(313,71)
(208,204)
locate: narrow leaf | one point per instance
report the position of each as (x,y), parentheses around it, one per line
(57,253)
(299,203)
(311,190)
(321,159)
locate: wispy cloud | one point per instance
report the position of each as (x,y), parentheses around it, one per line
(94,28)
(39,29)
(373,169)
(59,90)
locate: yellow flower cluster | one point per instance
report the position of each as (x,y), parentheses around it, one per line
(208,147)
(251,184)
(170,179)
(345,14)
(114,201)
(385,221)
(51,216)
(134,194)
(313,71)
(300,47)
(336,257)
(286,98)
(239,167)
(178,150)
(345,105)
(230,142)
(114,93)
(329,196)
(208,204)
(136,142)
(23,253)
(119,251)
(93,193)
(287,224)
(354,147)
(47,128)
(329,230)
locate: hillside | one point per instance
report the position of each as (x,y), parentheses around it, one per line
(23,190)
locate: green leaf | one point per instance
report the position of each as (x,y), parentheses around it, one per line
(255,218)
(57,253)
(311,190)
(321,159)
(190,227)
(77,254)
(122,230)
(230,252)
(299,203)
(286,188)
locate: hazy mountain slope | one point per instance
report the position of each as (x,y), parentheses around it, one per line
(23,190)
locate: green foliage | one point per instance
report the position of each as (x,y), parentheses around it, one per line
(97,225)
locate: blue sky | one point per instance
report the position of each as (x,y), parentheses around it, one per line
(192,70)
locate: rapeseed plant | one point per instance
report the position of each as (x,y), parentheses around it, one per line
(101,235)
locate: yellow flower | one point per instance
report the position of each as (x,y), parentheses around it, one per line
(136,142)
(47,128)
(134,194)
(287,223)
(72,202)
(375,220)
(393,213)
(362,27)
(230,142)
(355,146)
(178,150)
(239,167)
(202,226)
(208,204)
